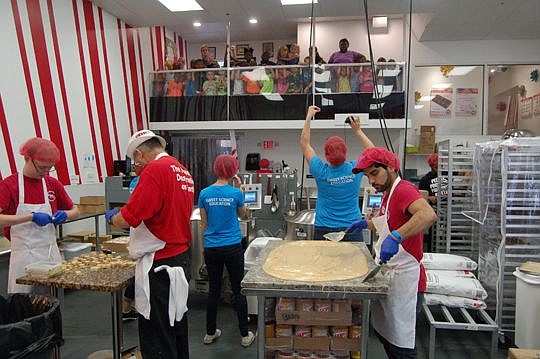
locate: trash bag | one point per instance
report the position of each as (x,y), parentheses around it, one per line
(29,323)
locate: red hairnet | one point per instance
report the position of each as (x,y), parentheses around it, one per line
(373,155)
(433,160)
(264,163)
(40,149)
(225,166)
(335,150)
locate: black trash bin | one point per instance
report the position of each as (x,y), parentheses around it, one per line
(29,324)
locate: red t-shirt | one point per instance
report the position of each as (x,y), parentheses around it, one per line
(33,193)
(404,194)
(163,199)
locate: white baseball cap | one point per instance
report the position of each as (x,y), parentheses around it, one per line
(139,138)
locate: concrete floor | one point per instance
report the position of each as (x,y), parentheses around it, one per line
(87,328)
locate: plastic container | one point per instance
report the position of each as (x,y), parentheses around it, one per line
(74,249)
(43,270)
(527,310)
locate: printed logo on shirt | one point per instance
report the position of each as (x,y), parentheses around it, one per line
(218,201)
(183,176)
(340,180)
(52,196)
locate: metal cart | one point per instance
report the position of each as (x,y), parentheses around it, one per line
(258,283)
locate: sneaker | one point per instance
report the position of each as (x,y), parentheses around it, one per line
(248,339)
(131,315)
(209,339)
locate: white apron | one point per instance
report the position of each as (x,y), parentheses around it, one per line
(394,317)
(30,243)
(143,245)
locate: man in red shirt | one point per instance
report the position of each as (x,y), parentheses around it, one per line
(158,212)
(402,220)
(31,204)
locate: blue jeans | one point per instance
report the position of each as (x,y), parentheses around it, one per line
(319,233)
(233,258)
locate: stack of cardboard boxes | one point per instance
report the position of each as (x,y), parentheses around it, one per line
(427,139)
(92,204)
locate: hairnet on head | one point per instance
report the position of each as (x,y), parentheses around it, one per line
(264,163)
(373,155)
(433,159)
(335,150)
(225,166)
(40,149)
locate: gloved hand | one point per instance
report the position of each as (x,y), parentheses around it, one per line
(357,226)
(41,219)
(389,248)
(110,213)
(59,217)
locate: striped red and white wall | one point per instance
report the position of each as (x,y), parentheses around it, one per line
(77,75)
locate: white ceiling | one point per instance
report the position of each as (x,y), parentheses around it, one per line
(446,19)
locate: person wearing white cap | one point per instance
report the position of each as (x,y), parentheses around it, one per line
(158,213)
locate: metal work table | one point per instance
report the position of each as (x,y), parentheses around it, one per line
(257,283)
(111,280)
(81,217)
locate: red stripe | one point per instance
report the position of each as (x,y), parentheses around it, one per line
(63,86)
(91,37)
(125,74)
(159,48)
(86,90)
(180,46)
(107,73)
(45,80)
(24,59)
(142,78)
(7,138)
(152,48)
(134,77)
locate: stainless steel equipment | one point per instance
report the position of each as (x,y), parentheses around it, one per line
(301,225)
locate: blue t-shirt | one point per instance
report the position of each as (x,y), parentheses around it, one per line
(221,204)
(338,189)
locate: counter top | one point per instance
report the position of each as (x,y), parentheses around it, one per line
(100,280)
(257,281)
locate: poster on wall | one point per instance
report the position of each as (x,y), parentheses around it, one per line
(466,102)
(170,49)
(89,171)
(536,104)
(441,103)
(527,107)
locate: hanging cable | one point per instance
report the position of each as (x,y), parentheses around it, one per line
(407,86)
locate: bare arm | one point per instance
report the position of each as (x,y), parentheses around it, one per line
(305,137)
(119,221)
(13,219)
(355,125)
(422,218)
(243,212)
(73,212)
(204,220)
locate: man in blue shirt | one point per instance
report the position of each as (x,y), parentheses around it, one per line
(337,187)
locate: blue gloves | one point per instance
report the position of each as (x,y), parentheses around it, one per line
(357,226)
(389,248)
(59,217)
(41,219)
(109,214)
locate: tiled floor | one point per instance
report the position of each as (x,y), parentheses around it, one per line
(87,328)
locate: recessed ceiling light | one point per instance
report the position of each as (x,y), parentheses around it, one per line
(297,2)
(380,21)
(253,20)
(197,24)
(181,5)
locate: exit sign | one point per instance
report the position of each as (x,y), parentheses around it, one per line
(268,144)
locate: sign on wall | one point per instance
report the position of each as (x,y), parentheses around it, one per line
(466,102)
(441,103)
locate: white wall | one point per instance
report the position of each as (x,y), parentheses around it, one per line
(328,34)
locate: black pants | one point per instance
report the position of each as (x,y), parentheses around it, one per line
(233,258)
(395,352)
(156,337)
(319,233)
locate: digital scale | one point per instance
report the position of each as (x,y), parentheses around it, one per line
(252,195)
(372,201)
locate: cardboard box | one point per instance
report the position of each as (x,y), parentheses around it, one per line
(118,245)
(91,208)
(345,344)
(278,343)
(427,129)
(295,317)
(315,344)
(81,235)
(93,200)
(102,238)
(514,353)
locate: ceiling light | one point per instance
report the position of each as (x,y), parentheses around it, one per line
(461,70)
(253,20)
(441,86)
(297,2)
(181,5)
(426,98)
(418,107)
(380,22)
(492,70)
(197,24)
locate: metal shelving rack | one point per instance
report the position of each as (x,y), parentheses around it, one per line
(506,212)
(453,233)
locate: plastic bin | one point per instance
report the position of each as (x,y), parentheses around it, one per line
(29,324)
(74,249)
(527,310)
